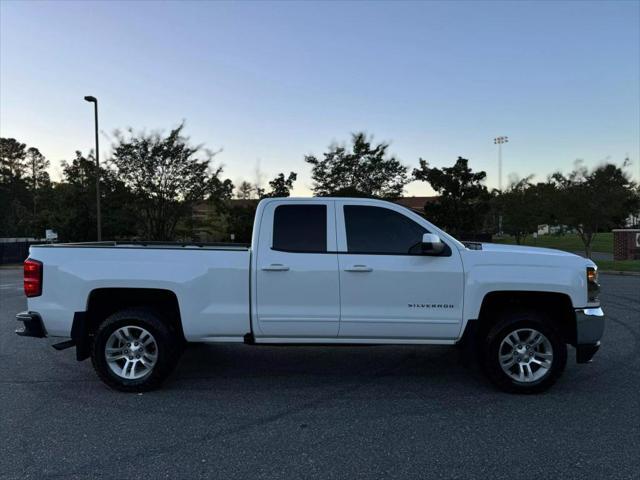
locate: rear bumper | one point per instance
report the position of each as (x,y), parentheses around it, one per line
(589,331)
(32,325)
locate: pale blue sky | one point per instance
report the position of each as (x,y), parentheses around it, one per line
(275,81)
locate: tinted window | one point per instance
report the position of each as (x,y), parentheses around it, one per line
(300,228)
(380,230)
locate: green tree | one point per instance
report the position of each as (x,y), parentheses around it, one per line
(245,190)
(37,176)
(281,186)
(209,223)
(15,217)
(75,214)
(72,212)
(12,159)
(518,207)
(240,220)
(545,198)
(593,201)
(168,176)
(25,190)
(463,202)
(364,170)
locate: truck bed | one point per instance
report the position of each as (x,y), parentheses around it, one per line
(210,282)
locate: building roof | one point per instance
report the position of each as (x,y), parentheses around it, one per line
(415,203)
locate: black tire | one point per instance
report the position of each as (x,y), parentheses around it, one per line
(169,349)
(508,323)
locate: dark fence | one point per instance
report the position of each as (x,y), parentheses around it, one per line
(13,252)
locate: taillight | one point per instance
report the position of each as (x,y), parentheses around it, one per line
(593,287)
(32,278)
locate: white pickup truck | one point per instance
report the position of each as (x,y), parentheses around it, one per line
(319,271)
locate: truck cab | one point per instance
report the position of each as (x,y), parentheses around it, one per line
(353,270)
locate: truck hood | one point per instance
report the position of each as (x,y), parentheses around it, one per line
(520,254)
(498,247)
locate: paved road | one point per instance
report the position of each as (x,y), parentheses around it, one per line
(597,255)
(343,412)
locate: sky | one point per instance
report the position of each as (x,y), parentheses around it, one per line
(270,82)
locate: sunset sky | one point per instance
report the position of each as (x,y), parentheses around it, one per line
(269,82)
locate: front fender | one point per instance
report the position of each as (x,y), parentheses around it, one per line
(484,279)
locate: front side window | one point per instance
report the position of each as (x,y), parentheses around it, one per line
(381,230)
(300,228)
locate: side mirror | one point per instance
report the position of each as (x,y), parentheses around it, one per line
(432,245)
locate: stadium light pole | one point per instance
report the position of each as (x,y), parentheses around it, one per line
(94,100)
(499,141)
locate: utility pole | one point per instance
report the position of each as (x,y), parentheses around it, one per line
(94,100)
(499,141)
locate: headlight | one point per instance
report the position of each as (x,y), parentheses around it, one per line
(593,287)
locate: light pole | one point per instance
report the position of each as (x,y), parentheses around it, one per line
(94,100)
(499,141)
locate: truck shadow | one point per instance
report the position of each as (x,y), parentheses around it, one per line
(282,366)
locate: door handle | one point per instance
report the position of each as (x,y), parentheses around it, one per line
(359,268)
(275,267)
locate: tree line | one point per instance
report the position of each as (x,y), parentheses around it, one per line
(152,184)
(148,189)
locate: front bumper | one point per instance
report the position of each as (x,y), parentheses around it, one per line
(589,330)
(32,325)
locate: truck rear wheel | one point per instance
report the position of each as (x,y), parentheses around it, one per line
(524,353)
(134,351)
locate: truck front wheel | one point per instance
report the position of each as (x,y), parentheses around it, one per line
(524,353)
(134,351)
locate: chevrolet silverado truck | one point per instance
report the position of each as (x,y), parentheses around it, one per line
(318,271)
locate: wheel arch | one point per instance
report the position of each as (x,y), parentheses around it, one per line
(103,302)
(557,306)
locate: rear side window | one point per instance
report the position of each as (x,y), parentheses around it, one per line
(300,228)
(381,230)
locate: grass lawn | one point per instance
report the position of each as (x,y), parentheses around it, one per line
(603,242)
(619,265)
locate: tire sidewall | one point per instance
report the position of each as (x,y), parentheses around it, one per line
(513,322)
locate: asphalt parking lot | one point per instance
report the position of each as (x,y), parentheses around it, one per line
(320,412)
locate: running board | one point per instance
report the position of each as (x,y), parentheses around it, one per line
(350,341)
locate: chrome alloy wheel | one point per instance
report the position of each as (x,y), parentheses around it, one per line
(525,355)
(131,352)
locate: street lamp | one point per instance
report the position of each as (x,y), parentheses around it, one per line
(499,141)
(94,100)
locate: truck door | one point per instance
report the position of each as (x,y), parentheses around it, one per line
(388,289)
(297,291)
